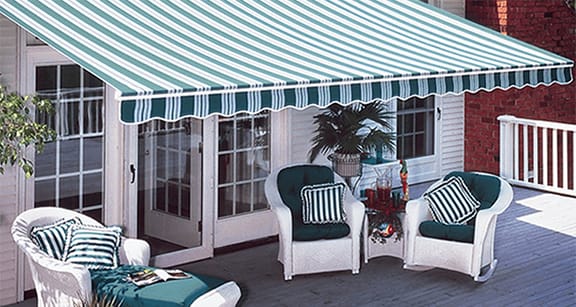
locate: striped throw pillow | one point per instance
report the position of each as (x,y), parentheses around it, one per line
(94,247)
(452,203)
(322,203)
(52,238)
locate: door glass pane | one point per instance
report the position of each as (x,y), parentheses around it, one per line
(70,81)
(243,163)
(226,201)
(69,192)
(93,152)
(45,162)
(69,172)
(69,156)
(92,190)
(45,193)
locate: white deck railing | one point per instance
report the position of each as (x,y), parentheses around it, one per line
(538,154)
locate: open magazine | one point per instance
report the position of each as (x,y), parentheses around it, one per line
(150,276)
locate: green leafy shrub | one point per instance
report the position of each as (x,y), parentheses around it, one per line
(18,130)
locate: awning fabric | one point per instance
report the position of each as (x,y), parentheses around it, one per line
(171,59)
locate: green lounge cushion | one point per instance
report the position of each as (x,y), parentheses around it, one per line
(290,182)
(181,292)
(460,233)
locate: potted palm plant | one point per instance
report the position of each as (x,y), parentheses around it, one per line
(348,132)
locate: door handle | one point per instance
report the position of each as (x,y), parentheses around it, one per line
(132,173)
(439,111)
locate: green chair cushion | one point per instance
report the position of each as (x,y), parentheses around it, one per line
(312,232)
(486,189)
(290,182)
(181,292)
(460,233)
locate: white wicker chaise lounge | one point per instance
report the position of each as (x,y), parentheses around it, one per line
(60,283)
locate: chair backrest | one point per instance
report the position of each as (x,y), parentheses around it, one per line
(26,220)
(485,188)
(290,181)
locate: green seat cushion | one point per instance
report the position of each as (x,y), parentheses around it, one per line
(290,182)
(312,232)
(460,233)
(485,189)
(181,292)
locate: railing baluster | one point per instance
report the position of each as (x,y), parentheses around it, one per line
(535,170)
(516,153)
(565,159)
(545,155)
(555,158)
(525,152)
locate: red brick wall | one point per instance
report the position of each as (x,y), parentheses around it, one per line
(548,24)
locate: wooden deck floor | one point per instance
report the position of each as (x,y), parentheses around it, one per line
(535,246)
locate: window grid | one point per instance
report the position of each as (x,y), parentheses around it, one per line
(237,153)
(69,123)
(415,131)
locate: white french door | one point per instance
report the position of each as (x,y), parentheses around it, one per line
(245,158)
(172,194)
(201,184)
(173,213)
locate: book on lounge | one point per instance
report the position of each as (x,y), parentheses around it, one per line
(151,276)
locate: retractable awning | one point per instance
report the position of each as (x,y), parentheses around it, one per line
(171,59)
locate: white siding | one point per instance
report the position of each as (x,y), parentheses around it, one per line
(8,181)
(453,6)
(302,128)
(8,211)
(452,133)
(8,54)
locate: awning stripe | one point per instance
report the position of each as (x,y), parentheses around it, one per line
(170,59)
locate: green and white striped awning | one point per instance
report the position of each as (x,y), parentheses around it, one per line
(171,59)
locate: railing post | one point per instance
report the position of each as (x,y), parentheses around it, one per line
(506,146)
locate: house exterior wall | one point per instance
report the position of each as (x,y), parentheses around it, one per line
(9,181)
(457,7)
(547,24)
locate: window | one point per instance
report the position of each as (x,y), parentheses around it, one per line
(68,173)
(415,128)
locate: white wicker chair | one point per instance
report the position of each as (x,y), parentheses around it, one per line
(61,283)
(304,257)
(475,259)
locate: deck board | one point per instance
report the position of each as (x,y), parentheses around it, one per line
(535,246)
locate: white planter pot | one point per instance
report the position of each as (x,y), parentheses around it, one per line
(346,165)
